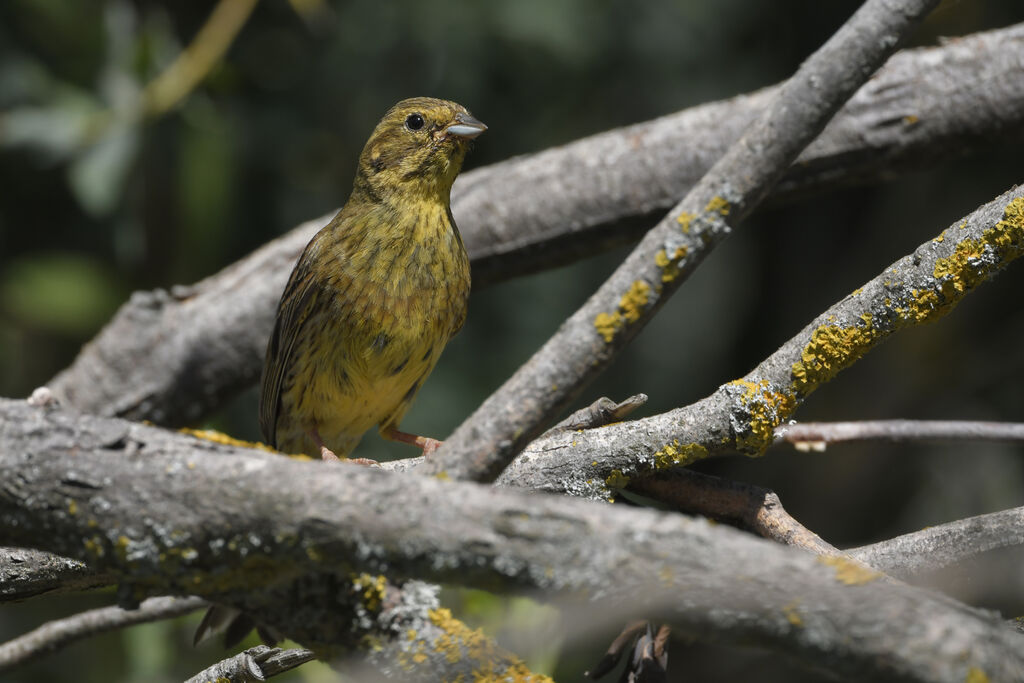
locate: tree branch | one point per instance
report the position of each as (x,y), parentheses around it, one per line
(173,357)
(28,574)
(246,526)
(741,416)
(485,443)
(255,664)
(817,435)
(944,545)
(57,634)
(754,508)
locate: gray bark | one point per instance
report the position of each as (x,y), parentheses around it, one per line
(255,529)
(173,357)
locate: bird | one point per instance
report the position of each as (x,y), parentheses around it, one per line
(376,294)
(370,304)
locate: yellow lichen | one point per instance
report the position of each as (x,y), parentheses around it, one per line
(718,205)
(630,309)
(72,507)
(678,455)
(94,546)
(848,571)
(224,439)
(616,480)
(607,324)
(767,410)
(633,302)
(910,119)
(831,349)
(370,588)
(792,614)
(968,266)
(669,266)
(976,675)
(458,642)
(684,220)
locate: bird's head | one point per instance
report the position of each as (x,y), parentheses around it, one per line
(416,149)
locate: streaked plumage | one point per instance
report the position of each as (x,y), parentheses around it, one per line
(377,293)
(371,303)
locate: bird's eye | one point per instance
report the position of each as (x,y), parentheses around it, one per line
(414,122)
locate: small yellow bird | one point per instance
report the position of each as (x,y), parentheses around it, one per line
(377,293)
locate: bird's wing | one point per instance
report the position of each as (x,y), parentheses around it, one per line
(297,301)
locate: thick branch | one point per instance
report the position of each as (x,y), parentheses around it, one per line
(742,416)
(226,521)
(586,343)
(174,357)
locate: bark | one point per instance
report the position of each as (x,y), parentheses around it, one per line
(742,415)
(587,342)
(172,357)
(256,530)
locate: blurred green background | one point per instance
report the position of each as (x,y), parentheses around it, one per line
(99,199)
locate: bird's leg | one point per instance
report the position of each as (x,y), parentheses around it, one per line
(425,442)
(325,452)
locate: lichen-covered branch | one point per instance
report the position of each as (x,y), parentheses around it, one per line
(235,524)
(174,356)
(56,634)
(742,416)
(586,343)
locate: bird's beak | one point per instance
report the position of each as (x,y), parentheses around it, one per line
(465,126)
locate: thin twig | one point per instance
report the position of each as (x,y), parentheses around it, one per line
(591,338)
(196,61)
(817,435)
(57,634)
(253,665)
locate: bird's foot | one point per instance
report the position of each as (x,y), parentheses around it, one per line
(327,454)
(424,442)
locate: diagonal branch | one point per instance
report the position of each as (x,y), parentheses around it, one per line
(586,343)
(173,357)
(741,416)
(253,523)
